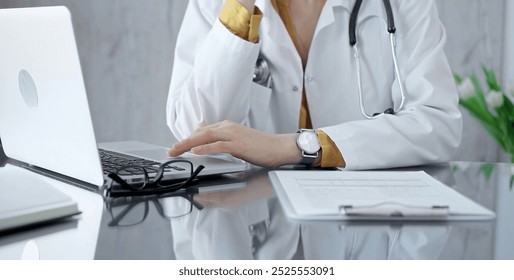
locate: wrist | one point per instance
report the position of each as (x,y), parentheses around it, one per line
(287,150)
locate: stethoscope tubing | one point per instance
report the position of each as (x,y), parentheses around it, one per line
(392,38)
(391,29)
(262,73)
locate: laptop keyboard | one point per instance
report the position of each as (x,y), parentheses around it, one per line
(112,161)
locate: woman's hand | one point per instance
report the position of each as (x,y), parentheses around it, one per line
(242,142)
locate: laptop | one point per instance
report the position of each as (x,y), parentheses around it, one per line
(29,201)
(45,122)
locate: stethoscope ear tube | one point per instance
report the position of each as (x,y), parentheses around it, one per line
(353,22)
(391,28)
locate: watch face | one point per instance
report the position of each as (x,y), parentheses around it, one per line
(308,142)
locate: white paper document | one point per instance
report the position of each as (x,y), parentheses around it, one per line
(365,195)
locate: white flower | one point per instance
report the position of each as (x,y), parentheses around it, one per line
(466,89)
(494,99)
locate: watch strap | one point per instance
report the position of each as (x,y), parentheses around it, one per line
(308,159)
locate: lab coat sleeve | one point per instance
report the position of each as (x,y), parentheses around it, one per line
(212,72)
(429,128)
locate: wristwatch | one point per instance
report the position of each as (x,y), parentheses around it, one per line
(308,142)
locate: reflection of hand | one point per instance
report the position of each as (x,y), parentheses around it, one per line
(242,142)
(257,188)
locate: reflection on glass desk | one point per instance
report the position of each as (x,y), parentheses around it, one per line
(74,238)
(247,222)
(240,217)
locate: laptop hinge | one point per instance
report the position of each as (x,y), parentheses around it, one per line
(57,176)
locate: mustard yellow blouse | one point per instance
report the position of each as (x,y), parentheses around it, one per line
(246,25)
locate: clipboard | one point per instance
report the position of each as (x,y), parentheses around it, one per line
(372,196)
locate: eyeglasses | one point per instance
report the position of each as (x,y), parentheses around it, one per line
(130,211)
(150,185)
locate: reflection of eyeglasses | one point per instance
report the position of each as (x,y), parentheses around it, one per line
(130,211)
(149,185)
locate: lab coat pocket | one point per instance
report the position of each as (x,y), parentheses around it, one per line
(259,115)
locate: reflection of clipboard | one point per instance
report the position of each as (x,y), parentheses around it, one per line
(45,229)
(395,210)
(371,195)
(377,240)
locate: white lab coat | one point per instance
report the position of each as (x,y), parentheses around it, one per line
(213,72)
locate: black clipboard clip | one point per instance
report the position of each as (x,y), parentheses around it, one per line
(393,209)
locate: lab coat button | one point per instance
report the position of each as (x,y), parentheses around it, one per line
(295,88)
(310,78)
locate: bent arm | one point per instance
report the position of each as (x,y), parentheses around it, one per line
(212,72)
(429,128)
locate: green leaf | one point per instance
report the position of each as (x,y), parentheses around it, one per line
(458,79)
(487,169)
(455,168)
(479,92)
(491,79)
(478,111)
(488,121)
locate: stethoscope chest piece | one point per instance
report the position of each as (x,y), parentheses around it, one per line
(262,73)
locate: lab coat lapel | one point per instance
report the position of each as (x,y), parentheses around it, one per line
(275,28)
(274,32)
(327,16)
(369,9)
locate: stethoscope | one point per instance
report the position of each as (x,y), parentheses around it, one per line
(262,73)
(391,29)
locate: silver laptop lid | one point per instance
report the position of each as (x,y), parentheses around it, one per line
(44,114)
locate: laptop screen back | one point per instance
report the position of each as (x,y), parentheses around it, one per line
(44,114)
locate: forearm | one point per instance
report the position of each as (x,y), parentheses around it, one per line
(242,142)
(286,150)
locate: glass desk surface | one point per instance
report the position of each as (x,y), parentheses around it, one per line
(242,219)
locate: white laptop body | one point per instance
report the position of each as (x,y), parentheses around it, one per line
(45,120)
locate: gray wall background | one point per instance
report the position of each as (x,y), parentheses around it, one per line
(126,51)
